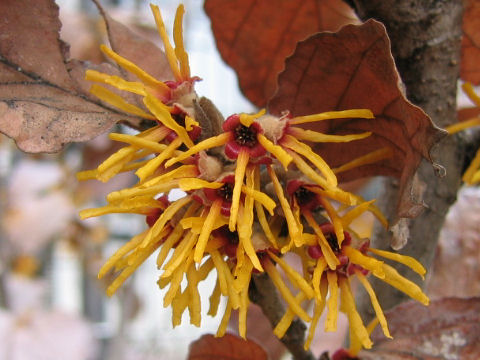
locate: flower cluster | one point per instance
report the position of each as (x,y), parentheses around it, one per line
(472,174)
(253,192)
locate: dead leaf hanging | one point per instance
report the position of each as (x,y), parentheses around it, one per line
(354,69)
(255,37)
(44,99)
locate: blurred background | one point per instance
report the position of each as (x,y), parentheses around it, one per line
(51,304)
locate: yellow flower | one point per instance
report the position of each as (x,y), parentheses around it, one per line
(330,261)
(192,231)
(170,103)
(228,221)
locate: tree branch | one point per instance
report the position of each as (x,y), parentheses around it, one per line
(425,38)
(263,293)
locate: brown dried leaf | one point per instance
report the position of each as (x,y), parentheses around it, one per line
(470,63)
(468,113)
(228,347)
(42,118)
(42,106)
(447,329)
(30,40)
(354,69)
(254,37)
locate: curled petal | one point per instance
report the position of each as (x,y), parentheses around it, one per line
(135,70)
(171,57)
(393,278)
(375,304)
(356,323)
(215,141)
(402,259)
(118,102)
(367,262)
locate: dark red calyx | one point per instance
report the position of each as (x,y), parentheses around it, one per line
(343,354)
(315,252)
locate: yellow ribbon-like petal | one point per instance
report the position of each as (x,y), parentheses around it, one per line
(315,136)
(402,259)
(215,141)
(470,91)
(276,150)
(327,251)
(353,113)
(318,310)
(293,227)
(171,57)
(135,70)
(187,184)
(393,278)
(283,289)
(118,102)
(314,158)
(354,319)
(294,277)
(179,47)
(375,303)
(367,262)
(206,230)
(163,115)
(469,175)
(242,162)
(116,81)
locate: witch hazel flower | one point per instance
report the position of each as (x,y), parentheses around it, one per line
(309,199)
(285,132)
(219,189)
(188,231)
(243,142)
(253,191)
(261,139)
(170,104)
(177,93)
(331,265)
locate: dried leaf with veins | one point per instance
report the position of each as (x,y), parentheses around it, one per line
(44,100)
(228,347)
(354,69)
(254,37)
(470,63)
(447,329)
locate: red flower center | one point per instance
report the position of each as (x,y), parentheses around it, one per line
(333,242)
(225,192)
(230,238)
(179,117)
(245,136)
(304,196)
